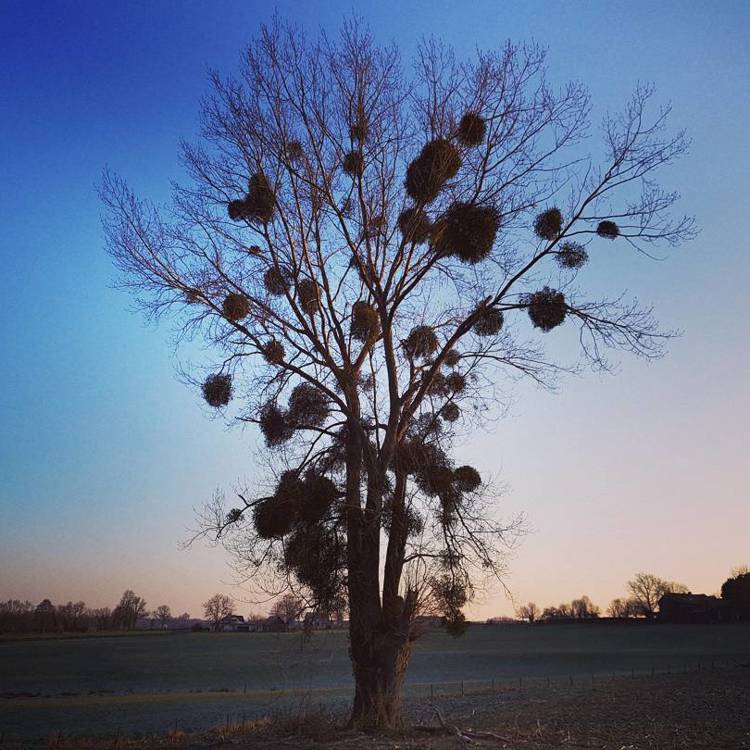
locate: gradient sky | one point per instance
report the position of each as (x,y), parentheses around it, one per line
(103,453)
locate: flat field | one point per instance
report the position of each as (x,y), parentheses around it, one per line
(153,683)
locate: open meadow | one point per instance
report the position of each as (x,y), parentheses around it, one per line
(149,683)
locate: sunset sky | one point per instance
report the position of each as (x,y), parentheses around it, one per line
(104,453)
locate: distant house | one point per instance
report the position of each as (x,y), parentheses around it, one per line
(234,624)
(696,608)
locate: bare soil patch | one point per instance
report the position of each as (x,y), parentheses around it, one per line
(697,710)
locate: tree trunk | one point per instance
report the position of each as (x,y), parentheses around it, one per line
(379,662)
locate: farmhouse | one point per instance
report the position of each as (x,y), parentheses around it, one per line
(234,624)
(695,608)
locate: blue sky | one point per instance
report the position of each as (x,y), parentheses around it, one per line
(103,452)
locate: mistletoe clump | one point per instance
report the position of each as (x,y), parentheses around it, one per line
(456,382)
(452,358)
(273,352)
(547,308)
(471,129)
(308,294)
(421,342)
(608,229)
(572,255)
(294,151)
(315,554)
(275,517)
(450,412)
(259,203)
(217,389)
(318,494)
(237,210)
(438,385)
(451,593)
(236,306)
(261,199)
(490,322)
(354,163)
(415,225)
(365,324)
(276,281)
(467,231)
(435,479)
(415,454)
(274,424)
(548,224)
(438,162)
(467,478)
(308,406)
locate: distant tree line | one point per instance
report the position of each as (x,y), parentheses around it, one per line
(644,593)
(18,616)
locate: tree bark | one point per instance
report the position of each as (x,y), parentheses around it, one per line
(379,662)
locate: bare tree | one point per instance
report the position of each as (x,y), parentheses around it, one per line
(583,608)
(529,612)
(624,608)
(218,607)
(288,609)
(102,618)
(163,614)
(647,589)
(130,609)
(363,248)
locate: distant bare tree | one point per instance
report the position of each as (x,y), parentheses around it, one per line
(45,616)
(16,616)
(101,617)
(288,609)
(217,608)
(624,608)
(562,611)
(583,608)
(647,589)
(163,615)
(529,612)
(70,616)
(375,256)
(130,609)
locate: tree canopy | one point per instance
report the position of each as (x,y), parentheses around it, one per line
(375,255)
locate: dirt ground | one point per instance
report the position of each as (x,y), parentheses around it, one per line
(697,710)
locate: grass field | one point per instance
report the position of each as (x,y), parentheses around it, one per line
(104,686)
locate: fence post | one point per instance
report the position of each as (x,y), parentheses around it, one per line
(432,693)
(462,688)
